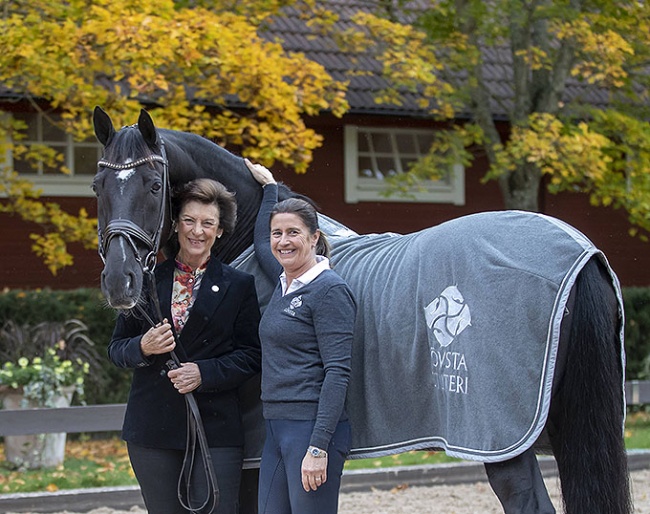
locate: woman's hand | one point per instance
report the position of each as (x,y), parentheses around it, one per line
(260,173)
(314,472)
(158,340)
(186,378)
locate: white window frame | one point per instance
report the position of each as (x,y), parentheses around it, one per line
(60,184)
(359,189)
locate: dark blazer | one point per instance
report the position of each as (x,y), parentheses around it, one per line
(221,336)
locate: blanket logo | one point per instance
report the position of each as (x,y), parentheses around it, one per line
(448,315)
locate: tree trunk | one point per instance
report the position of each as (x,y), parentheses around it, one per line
(520,188)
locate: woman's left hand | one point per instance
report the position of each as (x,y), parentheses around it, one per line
(186,378)
(260,173)
(314,472)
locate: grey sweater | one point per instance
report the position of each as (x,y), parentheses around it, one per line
(306,343)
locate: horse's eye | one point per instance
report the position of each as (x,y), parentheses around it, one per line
(156,186)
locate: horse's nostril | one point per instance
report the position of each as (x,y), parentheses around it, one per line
(130,280)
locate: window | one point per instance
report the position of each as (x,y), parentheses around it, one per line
(79,157)
(374,153)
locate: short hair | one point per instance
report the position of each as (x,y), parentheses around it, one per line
(307,213)
(209,192)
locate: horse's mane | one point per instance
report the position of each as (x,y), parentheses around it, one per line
(127,143)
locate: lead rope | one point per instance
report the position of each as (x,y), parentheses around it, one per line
(195,430)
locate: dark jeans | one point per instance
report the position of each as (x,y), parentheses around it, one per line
(281,490)
(158,471)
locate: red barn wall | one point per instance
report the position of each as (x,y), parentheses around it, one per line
(20,268)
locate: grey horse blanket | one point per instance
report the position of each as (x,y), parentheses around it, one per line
(457,330)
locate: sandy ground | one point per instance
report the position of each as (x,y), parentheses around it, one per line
(458,499)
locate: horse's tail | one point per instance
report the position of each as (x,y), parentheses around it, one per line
(589,445)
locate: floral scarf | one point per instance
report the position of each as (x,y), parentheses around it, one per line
(186,286)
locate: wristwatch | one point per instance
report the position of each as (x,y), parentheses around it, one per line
(316,452)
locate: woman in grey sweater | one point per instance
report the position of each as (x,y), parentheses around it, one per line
(306,334)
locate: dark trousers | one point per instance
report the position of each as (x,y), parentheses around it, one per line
(281,490)
(158,471)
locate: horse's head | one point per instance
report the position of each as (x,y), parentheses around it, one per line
(131,185)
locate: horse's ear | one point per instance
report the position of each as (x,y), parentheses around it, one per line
(103,126)
(147,128)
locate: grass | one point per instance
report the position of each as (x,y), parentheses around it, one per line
(103,463)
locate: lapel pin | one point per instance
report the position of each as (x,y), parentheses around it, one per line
(215,289)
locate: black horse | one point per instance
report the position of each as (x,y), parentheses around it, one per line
(578,401)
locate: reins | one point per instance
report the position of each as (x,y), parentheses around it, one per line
(195,430)
(131,232)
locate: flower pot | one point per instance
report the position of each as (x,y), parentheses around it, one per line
(34,451)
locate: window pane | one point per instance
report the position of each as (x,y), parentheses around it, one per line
(365,168)
(23,167)
(386,166)
(364,146)
(85,160)
(424,142)
(381,142)
(52,133)
(405,143)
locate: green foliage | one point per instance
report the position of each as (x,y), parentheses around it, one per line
(44,379)
(105,383)
(637,332)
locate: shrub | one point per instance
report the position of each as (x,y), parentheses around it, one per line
(637,332)
(105,383)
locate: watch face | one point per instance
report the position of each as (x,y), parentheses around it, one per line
(315,452)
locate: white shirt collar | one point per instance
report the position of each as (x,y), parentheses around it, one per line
(322,264)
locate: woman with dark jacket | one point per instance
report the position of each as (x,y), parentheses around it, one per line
(214,312)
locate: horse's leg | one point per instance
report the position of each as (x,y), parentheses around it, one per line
(587,408)
(519,485)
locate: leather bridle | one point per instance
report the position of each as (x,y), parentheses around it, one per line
(130,231)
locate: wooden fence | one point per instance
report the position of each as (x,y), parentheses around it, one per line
(107,418)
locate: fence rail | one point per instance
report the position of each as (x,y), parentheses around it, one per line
(108,418)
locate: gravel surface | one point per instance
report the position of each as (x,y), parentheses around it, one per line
(475,498)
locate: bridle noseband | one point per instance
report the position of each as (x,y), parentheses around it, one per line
(127,229)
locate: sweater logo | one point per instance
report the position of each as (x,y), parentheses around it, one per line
(296,302)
